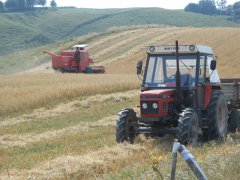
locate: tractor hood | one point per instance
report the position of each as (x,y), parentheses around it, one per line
(158,93)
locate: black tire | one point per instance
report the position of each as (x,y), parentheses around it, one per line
(188,127)
(216,119)
(234,121)
(126,124)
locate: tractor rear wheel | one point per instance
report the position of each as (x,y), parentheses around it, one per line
(188,126)
(126,125)
(217,114)
(234,121)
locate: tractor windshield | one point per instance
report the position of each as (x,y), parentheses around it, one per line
(161,71)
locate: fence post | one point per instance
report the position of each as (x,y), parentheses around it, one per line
(189,158)
(174,160)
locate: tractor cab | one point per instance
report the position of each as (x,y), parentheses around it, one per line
(79,46)
(160,91)
(194,66)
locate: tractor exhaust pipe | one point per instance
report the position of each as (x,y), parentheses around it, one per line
(178,76)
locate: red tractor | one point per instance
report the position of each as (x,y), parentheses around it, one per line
(182,94)
(74,60)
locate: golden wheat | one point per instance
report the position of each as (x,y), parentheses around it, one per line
(28,91)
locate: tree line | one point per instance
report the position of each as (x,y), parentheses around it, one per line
(23,5)
(212,7)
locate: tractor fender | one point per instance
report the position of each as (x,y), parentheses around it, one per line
(207,93)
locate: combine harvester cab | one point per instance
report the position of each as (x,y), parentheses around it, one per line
(66,61)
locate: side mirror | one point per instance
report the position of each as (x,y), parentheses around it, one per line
(213,65)
(139,67)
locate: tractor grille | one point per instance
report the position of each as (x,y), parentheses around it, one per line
(149,109)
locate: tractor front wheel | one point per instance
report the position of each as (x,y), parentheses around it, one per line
(126,124)
(188,126)
(234,121)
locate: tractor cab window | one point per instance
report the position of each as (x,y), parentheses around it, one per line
(161,71)
(202,69)
(155,70)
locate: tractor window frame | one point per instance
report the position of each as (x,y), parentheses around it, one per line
(196,55)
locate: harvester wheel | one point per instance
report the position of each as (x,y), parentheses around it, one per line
(234,121)
(126,124)
(188,126)
(217,115)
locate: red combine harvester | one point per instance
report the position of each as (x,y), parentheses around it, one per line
(74,60)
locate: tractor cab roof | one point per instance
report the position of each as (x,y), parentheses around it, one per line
(182,49)
(80,46)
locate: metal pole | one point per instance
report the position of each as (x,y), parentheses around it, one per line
(174,159)
(178,75)
(189,158)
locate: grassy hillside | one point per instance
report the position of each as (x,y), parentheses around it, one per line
(31,29)
(120,49)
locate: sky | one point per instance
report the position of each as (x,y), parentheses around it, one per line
(100,4)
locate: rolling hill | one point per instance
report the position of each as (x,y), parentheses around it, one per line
(120,49)
(32,29)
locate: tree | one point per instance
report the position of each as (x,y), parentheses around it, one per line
(42,2)
(21,4)
(222,6)
(236,10)
(229,10)
(1,6)
(30,3)
(207,7)
(11,4)
(53,4)
(203,7)
(192,7)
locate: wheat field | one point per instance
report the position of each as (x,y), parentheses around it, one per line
(29,91)
(61,126)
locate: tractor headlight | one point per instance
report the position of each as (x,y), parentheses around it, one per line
(154,105)
(144,105)
(152,48)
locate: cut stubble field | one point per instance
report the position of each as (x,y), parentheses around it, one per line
(55,125)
